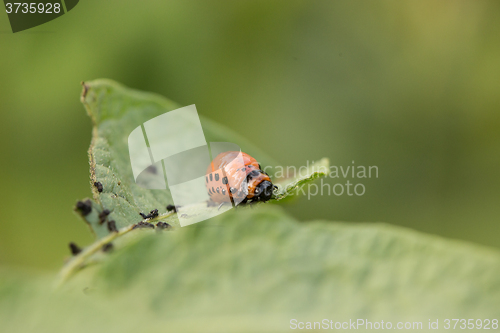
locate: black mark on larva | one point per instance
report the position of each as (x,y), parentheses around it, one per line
(224,180)
(216,177)
(151,169)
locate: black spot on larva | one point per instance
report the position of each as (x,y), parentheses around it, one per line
(218,190)
(103,215)
(206,179)
(107,247)
(224,180)
(209,192)
(253,174)
(74,249)
(233,190)
(213,191)
(224,191)
(151,169)
(112,226)
(98,186)
(85,207)
(216,177)
(210,177)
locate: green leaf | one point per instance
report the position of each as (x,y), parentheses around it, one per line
(246,270)
(116,111)
(254,270)
(291,186)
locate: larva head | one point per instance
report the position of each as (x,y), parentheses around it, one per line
(263,191)
(260,187)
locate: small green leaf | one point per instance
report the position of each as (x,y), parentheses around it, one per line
(116,111)
(291,186)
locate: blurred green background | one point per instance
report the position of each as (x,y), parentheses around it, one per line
(411,87)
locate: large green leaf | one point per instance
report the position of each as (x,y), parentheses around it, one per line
(248,270)
(115,112)
(254,270)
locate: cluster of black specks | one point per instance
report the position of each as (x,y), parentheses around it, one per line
(172,208)
(103,215)
(98,186)
(112,226)
(143,225)
(163,226)
(107,247)
(84,207)
(74,249)
(152,214)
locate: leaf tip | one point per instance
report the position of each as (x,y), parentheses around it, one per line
(85,90)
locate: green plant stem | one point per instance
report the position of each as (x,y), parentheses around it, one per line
(77,262)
